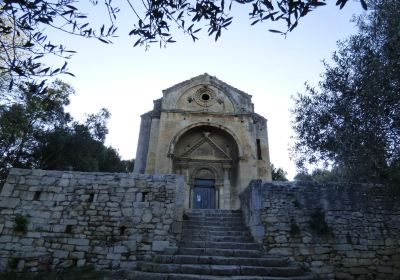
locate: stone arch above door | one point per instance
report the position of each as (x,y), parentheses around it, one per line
(218,127)
(204,171)
(210,153)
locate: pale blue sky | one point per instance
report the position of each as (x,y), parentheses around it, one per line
(267,66)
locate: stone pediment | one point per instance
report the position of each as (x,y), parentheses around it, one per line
(205,79)
(205,93)
(205,149)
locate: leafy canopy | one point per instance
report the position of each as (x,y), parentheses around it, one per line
(352,119)
(278,174)
(36,132)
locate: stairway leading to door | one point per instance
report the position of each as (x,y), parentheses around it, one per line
(217,245)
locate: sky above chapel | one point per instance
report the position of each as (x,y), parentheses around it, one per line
(266,65)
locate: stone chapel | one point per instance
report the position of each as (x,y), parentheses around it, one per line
(207,131)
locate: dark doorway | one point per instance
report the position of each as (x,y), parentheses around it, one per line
(204,194)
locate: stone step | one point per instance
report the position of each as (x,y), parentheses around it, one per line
(220,270)
(212,215)
(213,212)
(218,260)
(140,275)
(220,233)
(213,218)
(213,238)
(213,223)
(219,252)
(217,245)
(214,228)
(221,245)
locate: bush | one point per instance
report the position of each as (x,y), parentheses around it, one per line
(20,224)
(318,223)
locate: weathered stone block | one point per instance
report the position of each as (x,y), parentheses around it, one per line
(80,263)
(26,241)
(159,246)
(7,190)
(77,255)
(60,254)
(281,251)
(358,270)
(5,238)
(147,216)
(344,276)
(322,250)
(113,256)
(9,202)
(281,239)
(79,242)
(120,249)
(63,183)
(131,245)
(177,227)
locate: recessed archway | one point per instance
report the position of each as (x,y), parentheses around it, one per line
(208,158)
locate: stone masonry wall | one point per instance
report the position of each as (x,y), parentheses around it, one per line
(336,231)
(110,220)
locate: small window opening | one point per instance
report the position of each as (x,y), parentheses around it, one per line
(75,262)
(144,194)
(205,97)
(36,196)
(122,230)
(68,229)
(91,197)
(259,149)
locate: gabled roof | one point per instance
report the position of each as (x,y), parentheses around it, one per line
(205,78)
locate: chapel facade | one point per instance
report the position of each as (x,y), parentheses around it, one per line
(207,131)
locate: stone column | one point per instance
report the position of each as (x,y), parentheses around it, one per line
(226,195)
(184,169)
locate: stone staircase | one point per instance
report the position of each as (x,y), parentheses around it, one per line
(217,245)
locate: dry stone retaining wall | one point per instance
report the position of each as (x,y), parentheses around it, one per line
(75,218)
(337,231)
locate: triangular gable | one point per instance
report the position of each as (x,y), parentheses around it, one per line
(206,147)
(205,78)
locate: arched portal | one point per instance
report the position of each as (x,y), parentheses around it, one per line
(208,158)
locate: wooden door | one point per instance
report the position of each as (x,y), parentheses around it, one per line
(204,194)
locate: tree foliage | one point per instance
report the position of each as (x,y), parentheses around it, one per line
(352,119)
(36,132)
(24,40)
(22,122)
(321,176)
(278,174)
(76,148)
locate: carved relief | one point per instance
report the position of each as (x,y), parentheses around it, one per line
(205,97)
(205,148)
(205,173)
